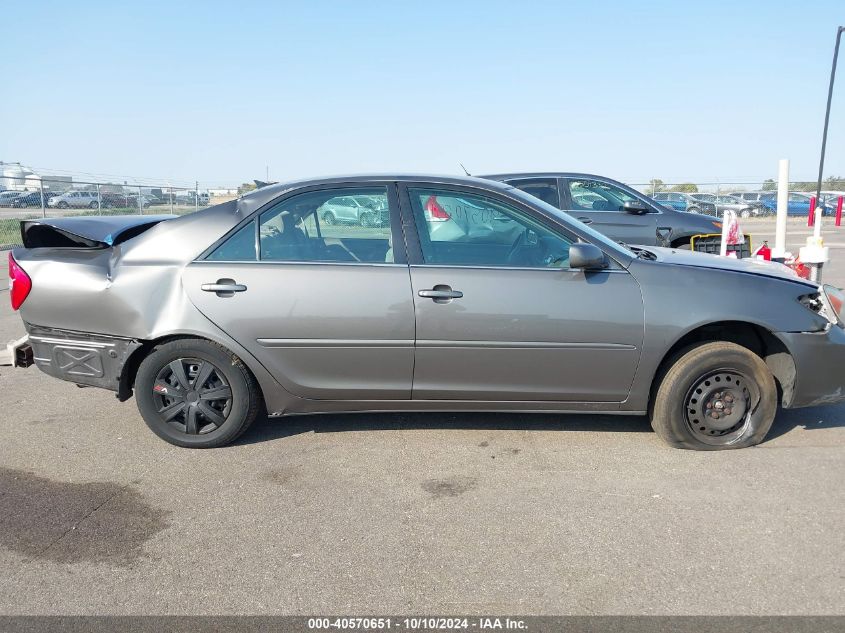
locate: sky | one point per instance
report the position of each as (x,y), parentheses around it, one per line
(218,92)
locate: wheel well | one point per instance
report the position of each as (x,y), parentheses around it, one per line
(680,241)
(753,337)
(130,367)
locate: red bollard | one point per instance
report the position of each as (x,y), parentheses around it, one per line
(839,211)
(811,216)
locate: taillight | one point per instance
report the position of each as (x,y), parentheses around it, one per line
(434,212)
(19,283)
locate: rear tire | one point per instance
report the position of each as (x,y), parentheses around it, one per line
(184,412)
(92,205)
(714,396)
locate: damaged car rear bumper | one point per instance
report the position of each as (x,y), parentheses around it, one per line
(96,360)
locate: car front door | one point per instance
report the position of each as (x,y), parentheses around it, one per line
(326,309)
(600,204)
(500,316)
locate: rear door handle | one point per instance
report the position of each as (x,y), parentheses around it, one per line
(441,294)
(224,287)
(586,220)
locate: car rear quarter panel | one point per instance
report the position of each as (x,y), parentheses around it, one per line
(133,290)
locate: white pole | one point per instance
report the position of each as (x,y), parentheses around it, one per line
(41,188)
(817,228)
(783,199)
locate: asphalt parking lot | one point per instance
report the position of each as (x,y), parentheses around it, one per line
(413,514)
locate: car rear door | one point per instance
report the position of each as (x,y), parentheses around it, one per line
(501,317)
(600,204)
(326,309)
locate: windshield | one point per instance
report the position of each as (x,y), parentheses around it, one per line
(593,235)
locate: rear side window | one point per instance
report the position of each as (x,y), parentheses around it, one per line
(240,247)
(333,225)
(543,188)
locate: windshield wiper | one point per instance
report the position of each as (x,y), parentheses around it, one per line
(639,252)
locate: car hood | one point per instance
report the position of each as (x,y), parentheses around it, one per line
(677,257)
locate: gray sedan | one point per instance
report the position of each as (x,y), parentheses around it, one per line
(619,211)
(473,296)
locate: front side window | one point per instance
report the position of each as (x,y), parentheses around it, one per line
(594,195)
(462,229)
(543,188)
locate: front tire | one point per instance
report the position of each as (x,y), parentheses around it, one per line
(715,396)
(329,219)
(196,394)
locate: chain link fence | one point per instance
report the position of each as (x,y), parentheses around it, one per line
(62,196)
(31,197)
(747,199)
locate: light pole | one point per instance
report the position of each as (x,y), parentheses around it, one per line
(839,31)
(815,254)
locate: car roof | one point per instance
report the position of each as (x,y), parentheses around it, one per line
(267,193)
(543,174)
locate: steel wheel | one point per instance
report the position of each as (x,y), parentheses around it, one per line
(718,406)
(192,395)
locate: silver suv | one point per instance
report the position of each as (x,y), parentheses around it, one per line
(363,210)
(75,200)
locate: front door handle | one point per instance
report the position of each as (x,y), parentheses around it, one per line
(441,294)
(586,220)
(224,287)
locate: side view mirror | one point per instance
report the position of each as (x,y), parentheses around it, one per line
(586,257)
(635,207)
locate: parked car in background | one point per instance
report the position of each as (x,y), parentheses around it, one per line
(31,199)
(114,200)
(730,203)
(75,200)
(750,196)
(617,210)
(7,197)
(191,197)
(831,198)
(547,315)
(671,200)
(798,203)
(685,202)
(363,210)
